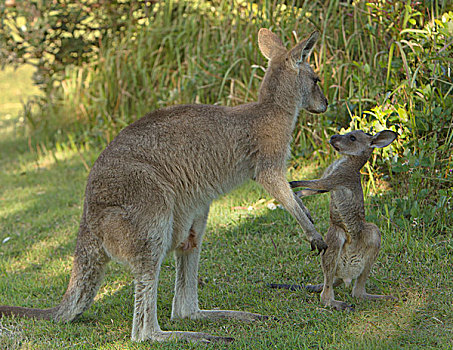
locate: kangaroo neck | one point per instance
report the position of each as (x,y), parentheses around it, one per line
(283,105)
(281,109)
(278,97)
(357,162)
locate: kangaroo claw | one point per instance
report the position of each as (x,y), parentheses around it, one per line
(318,245)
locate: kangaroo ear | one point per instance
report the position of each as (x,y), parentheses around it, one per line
(269,43)
(383,138)
(302,50)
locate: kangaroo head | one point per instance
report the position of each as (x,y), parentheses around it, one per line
(289,81)
(359,143)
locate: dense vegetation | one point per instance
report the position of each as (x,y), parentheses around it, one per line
(383,64)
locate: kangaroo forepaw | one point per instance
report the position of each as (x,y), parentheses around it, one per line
(318,245)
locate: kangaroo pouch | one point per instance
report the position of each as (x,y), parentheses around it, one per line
(351,263)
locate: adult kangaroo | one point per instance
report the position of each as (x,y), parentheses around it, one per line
(150,190)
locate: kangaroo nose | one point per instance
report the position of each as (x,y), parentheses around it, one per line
(334,137)
(333,142)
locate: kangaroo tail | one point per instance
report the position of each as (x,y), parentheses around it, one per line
(295,184)
(292,287)
(43,314)
(90,260)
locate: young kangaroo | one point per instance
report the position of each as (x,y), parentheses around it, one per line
(150,190)
(353,243)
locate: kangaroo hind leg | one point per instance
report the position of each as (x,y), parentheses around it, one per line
(143,246)
(372,246)
(329,262)
(185,302)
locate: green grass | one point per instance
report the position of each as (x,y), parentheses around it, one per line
(41,192)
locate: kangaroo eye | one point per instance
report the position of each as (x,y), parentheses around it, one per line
(316,80)
(352,138)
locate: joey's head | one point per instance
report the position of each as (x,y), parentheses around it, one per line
(360,144)
(290,81)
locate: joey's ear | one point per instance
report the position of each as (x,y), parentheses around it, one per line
(302,50)
(269,43)
(383,138)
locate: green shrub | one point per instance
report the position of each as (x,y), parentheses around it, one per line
(418,105)
(54,34)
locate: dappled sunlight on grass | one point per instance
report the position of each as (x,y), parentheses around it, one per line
(51,254)
(16,86)
(113,287)
(387,320)
(243,250)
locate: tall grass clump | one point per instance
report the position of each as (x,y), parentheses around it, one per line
(185,52)
(384,64)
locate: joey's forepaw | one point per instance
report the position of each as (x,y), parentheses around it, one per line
(318,244)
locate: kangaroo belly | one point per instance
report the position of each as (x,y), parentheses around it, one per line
(350,265)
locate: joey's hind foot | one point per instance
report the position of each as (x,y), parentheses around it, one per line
(366,296)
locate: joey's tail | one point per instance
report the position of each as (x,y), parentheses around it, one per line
(292,287)
(295,184)
(90,260)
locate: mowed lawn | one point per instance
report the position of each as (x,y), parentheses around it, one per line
(247,245)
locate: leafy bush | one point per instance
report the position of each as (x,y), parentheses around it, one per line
(418,105)
(54,34)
